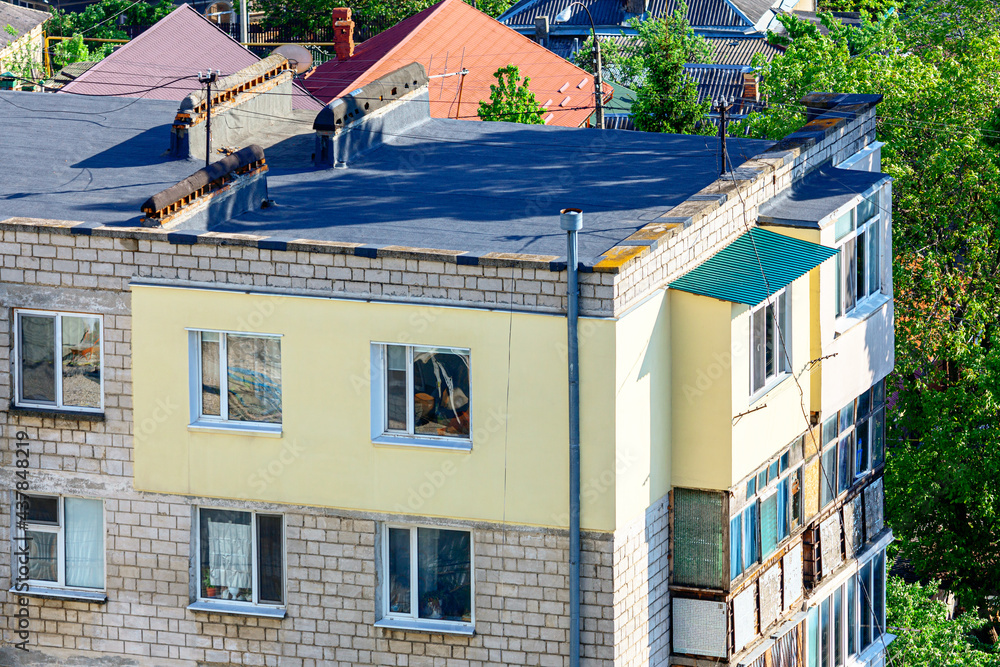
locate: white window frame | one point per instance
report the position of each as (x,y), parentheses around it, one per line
(412,620)
(782,341)
(58,404)
(222,421)
(380,404)
(60,531)
(254,580)
(867,227)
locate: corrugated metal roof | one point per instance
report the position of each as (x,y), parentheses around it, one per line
(740,50)
(716,82)
(701,13)
(162,62)
(21,19)
(734,273)
(448,37)
(754,9)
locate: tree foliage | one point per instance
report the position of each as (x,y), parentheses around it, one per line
(925,637)
(303,18)
(103,20)
(666,97)
(510,99)
(939,72)
(76,50)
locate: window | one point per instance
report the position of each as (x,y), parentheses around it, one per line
(773,509)
(237,379)
(241,556)
(427,574)
(58,361)
(65,541)
(770,340)
(858,263)
(853,443)
(698,547)
(425,393)
(850,619)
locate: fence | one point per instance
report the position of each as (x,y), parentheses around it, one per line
(364,28)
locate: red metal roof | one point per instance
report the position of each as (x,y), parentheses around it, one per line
(179,45)
(450,36)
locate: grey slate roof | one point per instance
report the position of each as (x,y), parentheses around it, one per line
(701,13)
(475,187)
(22,19)
(817,195)
(740,50)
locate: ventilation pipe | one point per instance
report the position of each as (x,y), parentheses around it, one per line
(571,220)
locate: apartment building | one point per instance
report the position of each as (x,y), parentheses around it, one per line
(309,406)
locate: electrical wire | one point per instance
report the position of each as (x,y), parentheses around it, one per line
(809,427)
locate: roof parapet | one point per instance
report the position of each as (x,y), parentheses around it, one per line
(227,89)
(358,121)
(245,90)
(218,181)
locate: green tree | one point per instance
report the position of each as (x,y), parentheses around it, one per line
(303,18)
(22,59)
(510,99)
(101,20)
(939,74)
(667,96)
(75,50)
(924,635)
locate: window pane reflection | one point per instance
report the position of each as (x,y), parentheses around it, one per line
(444,574)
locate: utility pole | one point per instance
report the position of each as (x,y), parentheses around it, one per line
(208,79)
(598,83)
(244,23)
(722,106)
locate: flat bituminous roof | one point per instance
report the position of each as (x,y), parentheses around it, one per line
(494,187)
(91,159)
(817,195)
(449,185)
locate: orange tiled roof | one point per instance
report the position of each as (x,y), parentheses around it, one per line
(453,35)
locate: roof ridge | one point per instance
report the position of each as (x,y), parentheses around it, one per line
(179,12)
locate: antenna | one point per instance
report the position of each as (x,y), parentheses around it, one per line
(208,79)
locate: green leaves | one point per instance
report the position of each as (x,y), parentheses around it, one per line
(924,635)
(511,100)
(939,72)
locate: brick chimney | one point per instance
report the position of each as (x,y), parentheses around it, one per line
(343,33)
(750,91)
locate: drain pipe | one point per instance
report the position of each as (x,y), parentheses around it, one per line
(571,220)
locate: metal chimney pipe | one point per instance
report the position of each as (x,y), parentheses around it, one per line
(571,220)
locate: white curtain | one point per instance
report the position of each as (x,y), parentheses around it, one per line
(228,554)
(84,542)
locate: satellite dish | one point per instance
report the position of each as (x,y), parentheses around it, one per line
(298,56)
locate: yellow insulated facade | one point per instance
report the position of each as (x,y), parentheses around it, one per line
(517,468)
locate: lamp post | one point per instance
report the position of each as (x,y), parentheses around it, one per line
(562,17)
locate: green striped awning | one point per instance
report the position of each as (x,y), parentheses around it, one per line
(734,273)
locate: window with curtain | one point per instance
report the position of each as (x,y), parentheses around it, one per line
(238,378)
(66,547)
(426,392)
(241,556)
(427,574)
(58,360)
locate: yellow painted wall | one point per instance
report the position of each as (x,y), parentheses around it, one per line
(701,397)
(325,456)
(759,435)
(642,388)
(817,303)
